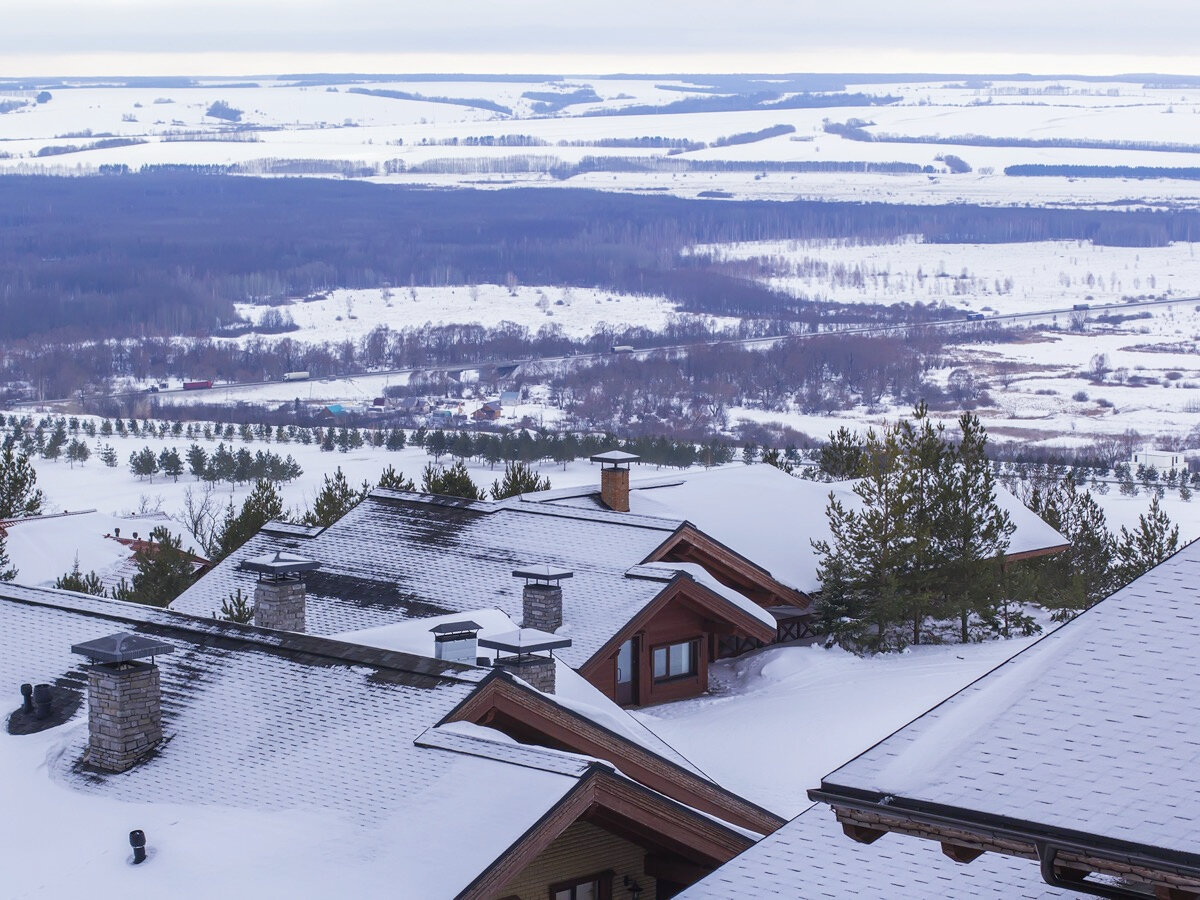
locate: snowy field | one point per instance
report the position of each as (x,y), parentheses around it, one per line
(780,719)
(990,278)
(293,121)
(575,312)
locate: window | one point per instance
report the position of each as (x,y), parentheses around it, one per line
(675,660)
(590,887)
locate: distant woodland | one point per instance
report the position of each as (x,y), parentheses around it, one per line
(169,253)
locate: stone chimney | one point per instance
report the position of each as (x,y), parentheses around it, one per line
(528,654)
(614,478)
(279,595)
(124,699)
(541,600)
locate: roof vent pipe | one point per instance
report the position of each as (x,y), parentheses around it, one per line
(457,642)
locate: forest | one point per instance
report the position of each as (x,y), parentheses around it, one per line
(170,252)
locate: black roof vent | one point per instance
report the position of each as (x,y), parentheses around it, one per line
(122,647)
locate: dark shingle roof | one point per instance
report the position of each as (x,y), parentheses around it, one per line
(810,858)
(401,555)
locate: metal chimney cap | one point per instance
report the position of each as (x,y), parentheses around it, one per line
(457,627)
(122,647)
(525,640)
(548,574)
(280,563)
(616,458)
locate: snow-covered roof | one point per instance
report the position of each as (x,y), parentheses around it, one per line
(768,516)
(1091,729)
(318,762)
(810,857)
(401,555)
(43,548)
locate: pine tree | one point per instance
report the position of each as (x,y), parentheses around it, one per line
(108,456)
(164,571)
(19,494)
(519,478)
(76,581)
(1146,546)
(237,608)
(144,464)
(197,460)
(78,452)
(844,456)
(453,481)
(8,572)
(263,505)
(392,480)
(335,499)
(972,532)
(1082,574)
(862,568)
(170,463)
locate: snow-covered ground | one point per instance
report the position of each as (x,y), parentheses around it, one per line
(577,312)
(287,120)
(780,719)
(990,278)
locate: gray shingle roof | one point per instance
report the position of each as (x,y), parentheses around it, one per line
(400,556)
(266,721)
(810,858)
(1093,729)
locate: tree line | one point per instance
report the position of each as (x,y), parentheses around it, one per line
(919,555)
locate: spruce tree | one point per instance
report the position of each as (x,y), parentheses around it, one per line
(1082,574)
(844,456)
(237,608)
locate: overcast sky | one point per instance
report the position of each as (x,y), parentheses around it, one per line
(78,37)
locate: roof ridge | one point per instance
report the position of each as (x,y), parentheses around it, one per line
(296,642)
(545,759)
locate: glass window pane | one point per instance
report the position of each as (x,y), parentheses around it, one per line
(689,661)
(563,895)
(585,891)
(678,661)
(660,662)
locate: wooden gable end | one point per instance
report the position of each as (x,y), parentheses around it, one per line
(691,545)
(528,716)
(695,843)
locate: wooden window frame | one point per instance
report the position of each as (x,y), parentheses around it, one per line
(694,659)
(603,880)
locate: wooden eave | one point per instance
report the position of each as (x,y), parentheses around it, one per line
(623,807)
(724,559)
(682,587)
(967,834)
(1033,554)
(502,696)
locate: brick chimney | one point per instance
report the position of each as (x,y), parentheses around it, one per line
(541,600)
(124,699)
(529,654)
(614,478)
(279,595)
